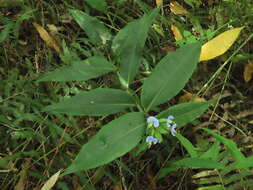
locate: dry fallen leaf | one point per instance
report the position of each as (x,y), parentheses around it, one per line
(51,181)
(219,45)
(21,185)
(176,33)
(190,97)
(49,40)
(177,9)
(117,187)
(75,184)
(168,48)
(248,71)
(159,3)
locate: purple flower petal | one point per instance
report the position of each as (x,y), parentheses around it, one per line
(152,119)
(170,117)
(155,141)
(149,139)
(172,130)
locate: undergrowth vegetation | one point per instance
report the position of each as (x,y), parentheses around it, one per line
(126,94)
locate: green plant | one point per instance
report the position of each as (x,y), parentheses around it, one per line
(228,173)
(166,80)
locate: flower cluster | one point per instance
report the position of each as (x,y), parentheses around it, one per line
(157,127)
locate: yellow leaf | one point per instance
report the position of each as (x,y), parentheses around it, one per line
(51,181)
(248,71)
(159,3)
(177,9)
(49,40)
(190,97)
(219,45)
(176,33)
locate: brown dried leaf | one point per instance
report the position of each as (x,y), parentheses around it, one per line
(76,185)
(168,48)
(49,40)
(23,176)
(248,71)
(190,97)
(177,9)
(151,178)
(117,187)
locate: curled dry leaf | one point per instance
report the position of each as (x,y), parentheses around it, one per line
(219,45)
(177,9)
(176,33)
(159,3)
(49,40)
(190,97)
(248,71)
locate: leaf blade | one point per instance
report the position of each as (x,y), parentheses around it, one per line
(80,70)
(51,181)
(186,112)
(199,163)
(94,29)
(99,5)
(128,43)
(219,45)
(98,102)
(112,141)
(175,68)
(47,38)
(187,145)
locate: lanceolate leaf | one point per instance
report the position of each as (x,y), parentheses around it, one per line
(128,44)
(188,145)
(112,141)
(100,5)
(186,112)
(51,181)
(48,39)
(170,76)
(80,70)
(199,163)
(94,29)
(98,102)
(219,44)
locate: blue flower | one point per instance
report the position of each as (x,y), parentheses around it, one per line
(172,130)
(153,120)
(169,120)
(151,139)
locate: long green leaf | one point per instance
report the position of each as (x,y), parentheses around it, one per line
(80,70)
(212,152)
(112,141)
(99,5)
(186,112)
(128,44)
(231,145)
(94,29)
(98,102)
(187,145)
(4,34)
(170,76)
(199,163)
